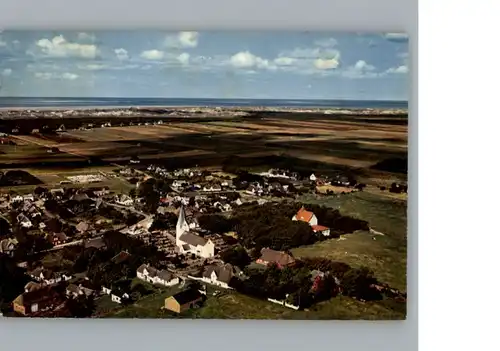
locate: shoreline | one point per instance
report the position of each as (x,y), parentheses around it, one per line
(159,111)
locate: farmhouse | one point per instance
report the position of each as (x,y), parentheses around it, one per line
(38,300)
(281,259)
(154,276)
(189,242)
(305,216)
(184,300)
(310,218)
(74,291)
(219,275)
(8,246)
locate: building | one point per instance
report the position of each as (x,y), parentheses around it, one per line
(184,300)
(188,242)
(155,276)
(321,229)
(32,286)
(310,218)
(305,216)
(312,177)
(38,300)
(280,258)
(57,238)
(8,246)
(75,291)
(48,277)
(219,275)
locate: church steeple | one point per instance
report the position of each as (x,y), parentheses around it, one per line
(182,225)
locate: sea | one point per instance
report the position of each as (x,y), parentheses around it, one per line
(43,102)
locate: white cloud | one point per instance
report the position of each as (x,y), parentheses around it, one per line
(60,47)
(246,59)
(6,72)
(2,43)
(121,54)
(284,61)
(69,76)
(403,69)
(183,58)
(43,75)
(362,66)
(188,39)
(398,37)
(92,67)
(49,75)
(326,63)
(326,42)
(152,54)
(182,40)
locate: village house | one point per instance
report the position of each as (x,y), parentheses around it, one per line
(154,276)
(38,300)
(57,238)
(119,295)
(281,259)
(305,216)
(189,242)
(32,286)
(312,178)
(82,227)
(17,198)
(219,275)
(47,276)
(184,300)
(310,218)
(74,291)
(124,200)
(8,246)
(24,221)
(254,190)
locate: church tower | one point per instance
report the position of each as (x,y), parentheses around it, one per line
(182,225)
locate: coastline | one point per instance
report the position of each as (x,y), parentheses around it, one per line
(159,111)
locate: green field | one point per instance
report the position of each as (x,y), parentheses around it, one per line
(386,255)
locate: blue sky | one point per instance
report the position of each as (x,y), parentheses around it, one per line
(287,65)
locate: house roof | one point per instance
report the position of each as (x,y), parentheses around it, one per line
(278,257)
(165,275)
(304,215)
(319,228)
(96,243)
(82,226)
(121,257)
(6,243)
(193,239)
(187,296)
(32,286)
(224,272)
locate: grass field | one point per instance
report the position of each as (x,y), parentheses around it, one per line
(386,255)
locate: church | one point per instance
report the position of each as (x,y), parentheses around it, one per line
(191,243)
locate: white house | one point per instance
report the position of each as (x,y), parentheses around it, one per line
(106,291)
(24,221)
(119,297)
(310,218)
(188,242)
(154,276)
(219,275)
(312,177)
(17,198)
(305,216)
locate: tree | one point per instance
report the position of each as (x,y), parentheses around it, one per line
(81,306)
(358,283)
(4,227)
(236,256)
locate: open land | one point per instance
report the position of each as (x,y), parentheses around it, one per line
(369,146)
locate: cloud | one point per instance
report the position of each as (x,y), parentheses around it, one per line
(362,66)
(183,58)
(2,43)
(92,67)
(69,76)
(49,75)
(397,37)
(246,59)
(182,40)
(326,64)
(284,61)
(326,42)
(6,72)
(60,47)
(403,69)
(121,54)
(152,54)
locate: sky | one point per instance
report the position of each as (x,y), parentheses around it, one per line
(189,64)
